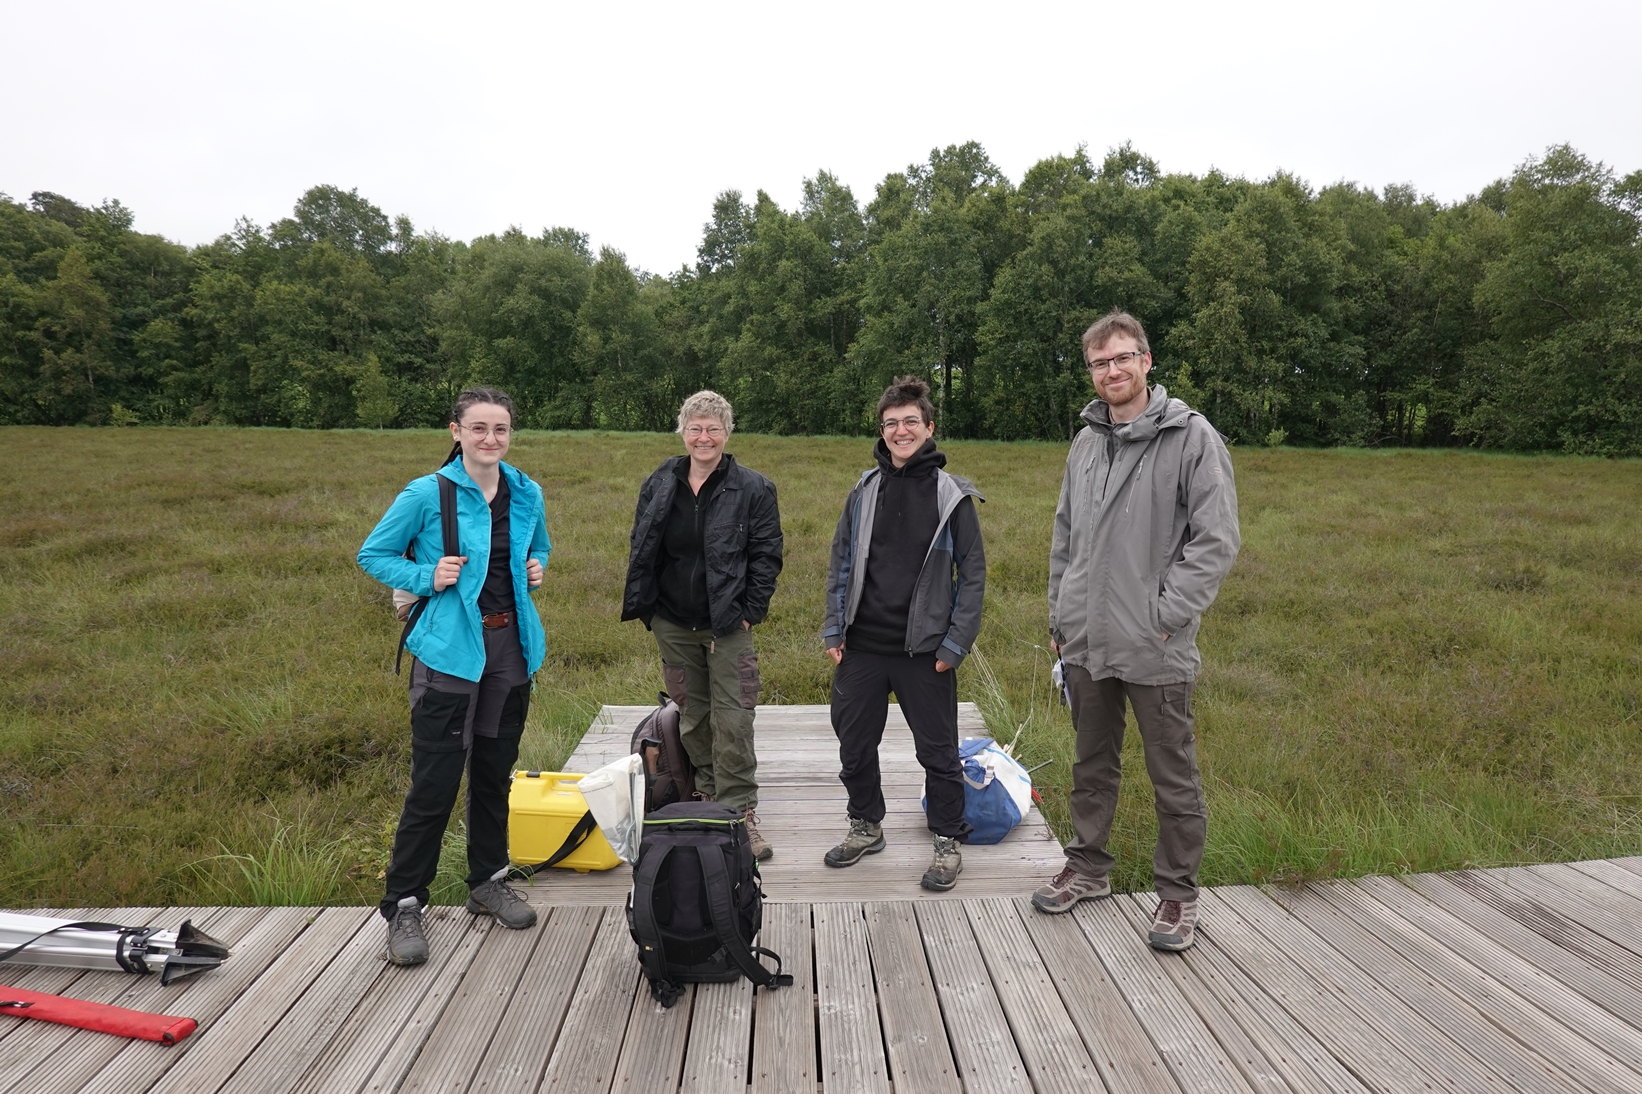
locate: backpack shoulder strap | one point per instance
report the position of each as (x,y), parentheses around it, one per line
(718,902)
(452,545)
(678,760)
(447,515)
(641,912)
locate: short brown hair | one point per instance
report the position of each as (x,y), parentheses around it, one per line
(905,391)
(1113,323)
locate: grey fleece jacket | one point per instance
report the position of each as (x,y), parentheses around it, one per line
(1142,542)
(946,606)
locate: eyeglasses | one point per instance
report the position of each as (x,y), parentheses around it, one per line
(890,425)
(479,432)
(1101,364)
(696,432)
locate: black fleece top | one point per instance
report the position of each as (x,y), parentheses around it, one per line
(909,511)
(681,578)
(496,594)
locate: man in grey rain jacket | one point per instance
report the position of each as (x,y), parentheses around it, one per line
(903,608)
(1145,531)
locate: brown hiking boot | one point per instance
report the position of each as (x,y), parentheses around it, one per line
(761,846)
(943,872)
(865,838)
(1174,927)
(1062,892)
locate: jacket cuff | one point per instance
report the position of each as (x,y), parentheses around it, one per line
(949,655)
(832,641)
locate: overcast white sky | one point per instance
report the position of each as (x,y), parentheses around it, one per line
(624,120)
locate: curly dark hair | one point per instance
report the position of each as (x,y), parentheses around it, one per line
(905,391)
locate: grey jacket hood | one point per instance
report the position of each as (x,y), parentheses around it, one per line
(1145,531)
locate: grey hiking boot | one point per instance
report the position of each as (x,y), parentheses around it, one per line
(1062,892)
(865,838)
(407,940)
(943,872)
(497,898)
(761,846)
(1174,927)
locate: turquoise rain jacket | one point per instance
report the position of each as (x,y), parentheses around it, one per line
(449,636)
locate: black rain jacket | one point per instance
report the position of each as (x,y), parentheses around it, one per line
(742,543)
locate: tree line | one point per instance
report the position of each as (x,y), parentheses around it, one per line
(1340,316)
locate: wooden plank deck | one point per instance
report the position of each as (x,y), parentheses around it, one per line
(1527,978)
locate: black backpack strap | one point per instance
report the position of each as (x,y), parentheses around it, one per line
(447,531)
(642,908)
(718,902)
(577,836)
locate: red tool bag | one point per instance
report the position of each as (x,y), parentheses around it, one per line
(164,1028)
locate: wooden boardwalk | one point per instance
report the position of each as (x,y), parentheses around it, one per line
(1521,979)
(801,812)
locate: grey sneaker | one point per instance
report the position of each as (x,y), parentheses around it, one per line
(865,838)
(1062,892)
(1174,927)
(497,898)
(407,940)
(943,872)
(761,846)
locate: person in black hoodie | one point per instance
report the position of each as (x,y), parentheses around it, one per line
(705,552)
(904,594)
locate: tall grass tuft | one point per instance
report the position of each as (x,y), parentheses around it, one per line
(295,864)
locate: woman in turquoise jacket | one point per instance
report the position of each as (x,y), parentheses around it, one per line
(475,646)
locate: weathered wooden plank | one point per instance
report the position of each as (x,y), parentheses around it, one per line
(1580,927)
(1117,1043)
(139,1066)
(1049,1044)
(584,1060)
(852,1047)
(530,1027)
(1613,875)
(1633,863)
(721,1030)
(402,1051)
(1546,954)
(652,1052)
(1426,995)
(217,1051)
(462,1035)
(982,1044)
(915,1039)
(1599,908)
(1180,1035)
(1312,1004)
(1520,1000)
(1448,1065)
(358,1046)
(277,1064)
(784,1020)
(1303,1060)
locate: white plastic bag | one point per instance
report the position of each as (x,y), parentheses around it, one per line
(615,797)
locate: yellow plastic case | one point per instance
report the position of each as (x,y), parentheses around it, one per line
(542,808)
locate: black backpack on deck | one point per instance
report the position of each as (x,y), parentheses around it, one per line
(696,904)
(668,774)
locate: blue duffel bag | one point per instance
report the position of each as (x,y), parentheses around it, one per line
(997,789)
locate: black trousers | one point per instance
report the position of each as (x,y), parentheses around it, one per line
(459,725)
(860,705)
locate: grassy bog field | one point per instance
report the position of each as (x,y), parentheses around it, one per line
(1421,660)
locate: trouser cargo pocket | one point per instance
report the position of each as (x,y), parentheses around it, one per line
(747,668)
(672,677)
(438,720)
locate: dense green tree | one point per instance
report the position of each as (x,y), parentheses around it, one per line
(1512,319)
